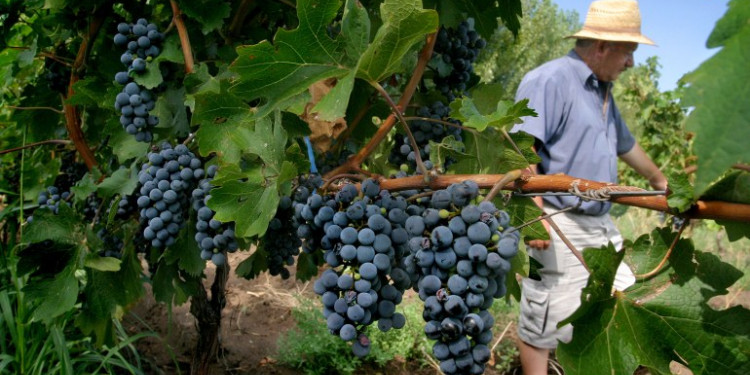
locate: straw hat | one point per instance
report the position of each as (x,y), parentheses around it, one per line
(613,20)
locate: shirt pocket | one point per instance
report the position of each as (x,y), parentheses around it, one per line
(534,307)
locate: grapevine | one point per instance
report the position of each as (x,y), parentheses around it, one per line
(203,159)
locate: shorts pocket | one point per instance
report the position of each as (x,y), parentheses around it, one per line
(534,307)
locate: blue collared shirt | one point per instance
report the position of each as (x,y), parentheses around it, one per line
(575,135)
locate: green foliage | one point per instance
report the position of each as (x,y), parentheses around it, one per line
(29,346)
(657,120)
(716,90)
(506,58)
(245,106)
(311,348)
(669,310)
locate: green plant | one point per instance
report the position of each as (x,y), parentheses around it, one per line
(311,348)
(242,85)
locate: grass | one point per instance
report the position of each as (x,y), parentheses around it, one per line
(31,347)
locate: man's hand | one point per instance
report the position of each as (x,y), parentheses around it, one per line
(540,244)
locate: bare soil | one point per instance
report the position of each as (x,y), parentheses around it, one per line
(257,313)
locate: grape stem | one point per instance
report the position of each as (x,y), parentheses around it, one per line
(380,135)
(397,111)
(179,22)
(507,178)
(35,108)
(351,176)
(442,122)
(658,268)
(239,17)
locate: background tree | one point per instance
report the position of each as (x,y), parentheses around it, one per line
(507,58)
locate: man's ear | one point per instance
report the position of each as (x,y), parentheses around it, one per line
(600,46)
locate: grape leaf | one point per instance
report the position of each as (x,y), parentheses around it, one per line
(225,125)
(122,181)
(186,253)
(62,228)
(485,14)
(730,24)
(107,293)
(210,14)
(99,263)
(505,114)
(512,160)
(483,152)
(449,147)
(124,145)
(334,104)
(405,23)
(170,108)
(732,187)
(253,265)
(169,287)
(251,201)
(355,29)
(307,266)
(298,58)
(152,77)
(717,90)
(669,311)
(523,210)
(54,296)
(681,195)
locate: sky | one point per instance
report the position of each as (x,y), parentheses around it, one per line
(680,29)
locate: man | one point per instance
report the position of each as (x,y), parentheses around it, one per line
(579,132)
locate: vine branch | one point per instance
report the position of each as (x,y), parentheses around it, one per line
(35,109)
(715,210)
(31,145)
(661,264)
(72,116)
(184,37)
(385,128)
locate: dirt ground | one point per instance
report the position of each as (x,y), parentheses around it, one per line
(257,313)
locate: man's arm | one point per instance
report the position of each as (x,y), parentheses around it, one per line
(637,159)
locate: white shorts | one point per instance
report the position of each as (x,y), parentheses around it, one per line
(547,302)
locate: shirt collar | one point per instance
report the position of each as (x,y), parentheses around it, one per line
(583,72)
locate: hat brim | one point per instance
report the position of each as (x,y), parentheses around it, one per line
(612,37)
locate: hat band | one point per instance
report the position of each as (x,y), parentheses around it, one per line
(611,30)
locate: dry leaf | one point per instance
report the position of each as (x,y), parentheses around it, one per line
(322,132)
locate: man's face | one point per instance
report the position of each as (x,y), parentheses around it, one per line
(615,58)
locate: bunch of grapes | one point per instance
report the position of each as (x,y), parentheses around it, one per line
(134,103)
(50,199)
(91,206)
(111,244)
(280,242)
(72,172)
(166,179)
(330,160)
(461,254)
(363,240)
(214,237)
(141,40)
(424,131)
(126,206)
(458,48)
